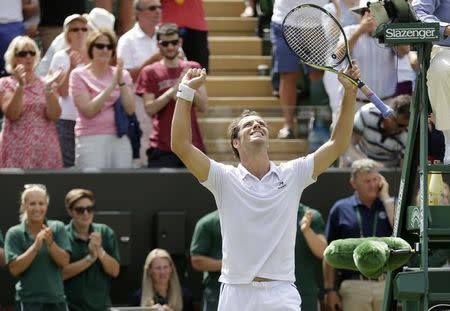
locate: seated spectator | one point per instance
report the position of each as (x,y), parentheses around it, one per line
(37,250)
(97,18)
(75,33)
(160,285)
(11,25)
(94,259)
(380,139)
(95,88)
(157,84)
(30,106)
(2,251)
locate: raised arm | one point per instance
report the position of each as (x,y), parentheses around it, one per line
(181,143)
(342,132)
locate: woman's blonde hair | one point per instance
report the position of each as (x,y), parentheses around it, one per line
(28,188)
(16,45)
(175,300)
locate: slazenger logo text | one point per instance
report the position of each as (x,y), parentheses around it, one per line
(399,33)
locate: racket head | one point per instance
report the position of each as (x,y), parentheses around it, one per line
(315,36)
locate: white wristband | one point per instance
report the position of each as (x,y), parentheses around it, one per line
(89,258)
(388,201)
(185,92)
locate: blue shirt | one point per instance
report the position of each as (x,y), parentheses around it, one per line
(434,11)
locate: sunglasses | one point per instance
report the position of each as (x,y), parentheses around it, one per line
(77,29)
(101,46)
(25,53)
(153,7)
(80,210)
(166,43)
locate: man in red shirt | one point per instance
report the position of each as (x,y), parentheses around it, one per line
(157,84)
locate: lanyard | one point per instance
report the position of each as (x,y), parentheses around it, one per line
(359,221)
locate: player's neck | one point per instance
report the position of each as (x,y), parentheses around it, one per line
(171,63)
(257,164)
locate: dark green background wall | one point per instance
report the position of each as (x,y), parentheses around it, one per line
(144,194)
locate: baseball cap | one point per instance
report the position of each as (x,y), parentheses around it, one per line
(100,18)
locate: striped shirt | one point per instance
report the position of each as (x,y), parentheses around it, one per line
(384,148)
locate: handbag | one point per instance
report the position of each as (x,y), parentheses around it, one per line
(121,118)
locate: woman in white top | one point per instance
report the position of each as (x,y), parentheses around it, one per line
(75,33)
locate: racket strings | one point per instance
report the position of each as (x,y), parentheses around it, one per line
(315,37)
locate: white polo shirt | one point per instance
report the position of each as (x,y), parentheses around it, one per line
(134,47)
(259,218)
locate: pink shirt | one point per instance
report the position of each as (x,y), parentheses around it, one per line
(83,81)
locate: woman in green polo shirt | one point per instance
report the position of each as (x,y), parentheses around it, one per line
(36,251)
(94,260)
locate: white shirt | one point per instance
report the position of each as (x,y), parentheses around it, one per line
(134,47)
(282,7)
(259,218)
(61,60)
(10,11)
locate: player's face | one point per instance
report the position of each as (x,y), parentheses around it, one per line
(160,270)
(367,184)
(36,205)
(169,45)
(253,129)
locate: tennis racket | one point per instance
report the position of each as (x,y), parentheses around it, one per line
(318,39)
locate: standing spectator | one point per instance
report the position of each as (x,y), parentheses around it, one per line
(309,247)
(139,48)
(158,84)
(160,285)
(378,138)
(2,250)
(37,250)
(368,212)
(11,26)
(97,18)
(30,105)
(438,75)
(94,259)
(206,256)
(95,88)
(189,15)
(285,63)
(53,13)
(75,32)
(31,17)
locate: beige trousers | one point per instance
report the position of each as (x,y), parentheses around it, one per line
(360,295)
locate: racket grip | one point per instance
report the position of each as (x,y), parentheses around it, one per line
(384,109)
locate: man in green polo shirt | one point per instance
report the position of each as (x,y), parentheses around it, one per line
(94,260)
(206,256)
(309,247)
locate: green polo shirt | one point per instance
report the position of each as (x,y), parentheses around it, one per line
(42,282)
(207,241)
(90,289)
(308,273)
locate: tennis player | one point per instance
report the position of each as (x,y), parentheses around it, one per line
(258,200)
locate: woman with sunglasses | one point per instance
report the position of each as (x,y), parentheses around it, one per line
(30,106)
(95,88)
(36,251)
(94,259)
(75,33)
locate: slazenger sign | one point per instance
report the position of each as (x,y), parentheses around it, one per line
(411,32)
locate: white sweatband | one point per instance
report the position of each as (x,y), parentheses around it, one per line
(185,92)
